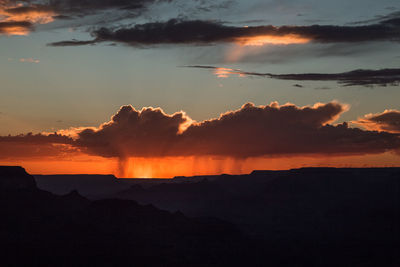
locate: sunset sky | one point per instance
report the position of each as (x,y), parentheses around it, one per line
(158,88)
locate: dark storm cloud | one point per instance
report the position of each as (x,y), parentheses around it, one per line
(250,131)
(383,77)
(388,121)
(284,130)
(176,31)
(172,32)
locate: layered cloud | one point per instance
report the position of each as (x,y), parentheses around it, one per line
(388,121)
(15,27)
(383,77)
(251,131)
(35,146)
(85,13)
(89,6)
(177,31)
(35,10)
(33,13)
(19,17)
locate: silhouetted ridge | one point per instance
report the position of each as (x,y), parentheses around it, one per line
(15,177)
(301,217)
(85,184)
(38,228)
(263,172)
(75,198)
(348,205)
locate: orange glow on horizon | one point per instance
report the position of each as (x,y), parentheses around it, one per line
(169,167)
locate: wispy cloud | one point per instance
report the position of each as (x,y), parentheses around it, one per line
(29,60)
(382,77)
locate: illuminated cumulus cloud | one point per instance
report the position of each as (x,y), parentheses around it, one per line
(382,77)
(388,121)
(252,131)
(284,130)
(178,31)
(147,133)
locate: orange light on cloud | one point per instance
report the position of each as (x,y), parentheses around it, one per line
(31,15)
(15,30)
(29,60)
(261,40)
(223,72)
(226,72)
(41,17)
(387,121)
(253,45)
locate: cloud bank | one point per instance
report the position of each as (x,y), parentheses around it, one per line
(36,146)
(178,31)
(251,131)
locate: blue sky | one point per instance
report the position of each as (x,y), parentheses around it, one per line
(95,80)
(48,88)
